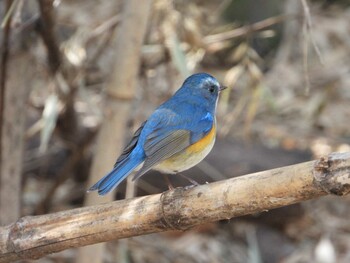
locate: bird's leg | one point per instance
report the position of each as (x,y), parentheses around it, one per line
(167,180)
(193,182)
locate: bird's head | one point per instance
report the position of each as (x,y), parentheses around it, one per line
(203,87)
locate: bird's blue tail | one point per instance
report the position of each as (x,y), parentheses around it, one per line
(116,176)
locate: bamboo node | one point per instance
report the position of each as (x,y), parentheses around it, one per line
(15,234)
(332,173)
(171,209)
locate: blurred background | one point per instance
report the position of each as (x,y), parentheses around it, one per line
(287,66)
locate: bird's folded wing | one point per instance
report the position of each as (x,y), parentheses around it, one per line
(161,145)
(131,145)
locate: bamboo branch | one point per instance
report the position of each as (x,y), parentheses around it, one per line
(32,237)
(121,90)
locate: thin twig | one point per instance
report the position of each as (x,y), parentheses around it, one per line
(309,27)
(308,35)
(8,16)
(108,24)
(306,59)
(16,20)
(244,30)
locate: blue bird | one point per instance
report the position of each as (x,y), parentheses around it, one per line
(177,136)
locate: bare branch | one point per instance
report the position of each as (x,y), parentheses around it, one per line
(308,25)
(307,32)
(244,30)
(46,28)
(10,182)
(35,236)
(3,65)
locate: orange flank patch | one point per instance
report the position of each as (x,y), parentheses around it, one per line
(203,143)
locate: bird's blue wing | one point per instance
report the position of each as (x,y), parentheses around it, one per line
(130,146)
(168,133)
(171,143)
(125,164)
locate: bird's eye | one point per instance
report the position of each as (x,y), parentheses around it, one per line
(212,89)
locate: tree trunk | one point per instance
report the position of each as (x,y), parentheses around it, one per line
(120,91)
(15,72)
(16,95)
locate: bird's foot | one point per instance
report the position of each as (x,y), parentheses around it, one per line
(167,180)
(193,182)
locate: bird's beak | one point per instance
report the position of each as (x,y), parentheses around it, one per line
(222,88)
